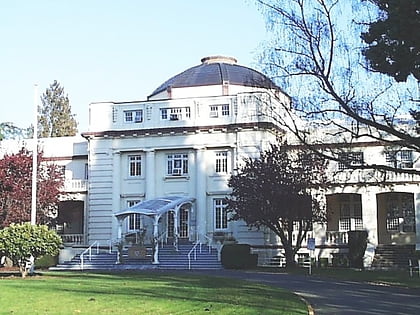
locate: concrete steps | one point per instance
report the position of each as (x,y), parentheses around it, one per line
(168,259)
(392,256)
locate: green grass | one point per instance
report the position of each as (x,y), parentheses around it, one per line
(142,293)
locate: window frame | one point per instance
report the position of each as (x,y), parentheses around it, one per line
(348,160)
(399,158)
(177,164)
(221,165)
(220,214)
(134,222)
(134,116)
(134,165)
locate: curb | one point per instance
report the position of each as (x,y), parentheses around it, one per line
(311,310)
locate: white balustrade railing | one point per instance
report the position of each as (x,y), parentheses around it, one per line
(75,238)
(75,185)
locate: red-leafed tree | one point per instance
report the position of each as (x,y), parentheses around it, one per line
(16,189)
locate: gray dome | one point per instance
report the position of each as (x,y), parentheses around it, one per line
(217,70)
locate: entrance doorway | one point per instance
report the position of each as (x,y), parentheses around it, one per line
(183,226)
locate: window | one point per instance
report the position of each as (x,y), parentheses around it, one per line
(400,212)
(86,171)
(214,111)
(133,116)
(164,113)
(134,220)
(221,162)
(219,110)
(350,159)
(225,110)
(350,212)
(177,164)
(175,113)
(134,162)
(220,213)
(399,159)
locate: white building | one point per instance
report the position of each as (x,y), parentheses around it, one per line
(188,137)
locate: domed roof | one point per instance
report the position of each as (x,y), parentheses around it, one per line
(217,70)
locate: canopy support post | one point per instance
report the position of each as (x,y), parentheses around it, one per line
(156,239)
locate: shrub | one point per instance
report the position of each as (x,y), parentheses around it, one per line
(357,248)
(46,261)
(238,256)
(20,242)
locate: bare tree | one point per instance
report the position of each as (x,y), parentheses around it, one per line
(316,55)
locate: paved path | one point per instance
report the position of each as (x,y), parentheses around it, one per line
(337,297)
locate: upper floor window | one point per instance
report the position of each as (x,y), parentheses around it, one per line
(175,113)
(219,110)
(134,162)
(221,162)
(133,116)
(350,159)
(177,164)
(399,159)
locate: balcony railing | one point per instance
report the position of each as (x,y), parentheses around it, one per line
(75,185)
(73,239)
(373,176)
(336,238)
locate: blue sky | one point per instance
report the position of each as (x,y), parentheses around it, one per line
(108,50)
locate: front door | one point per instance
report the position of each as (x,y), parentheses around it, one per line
(183,223)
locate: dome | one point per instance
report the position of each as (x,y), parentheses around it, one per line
(217,70)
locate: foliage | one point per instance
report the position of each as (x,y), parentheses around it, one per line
(21,241)
(9,131)
(316,55)
(279,190)
(394,41)
(16,189)
(55,118)
(357,247)
(238,256)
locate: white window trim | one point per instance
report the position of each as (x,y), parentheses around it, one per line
(135,162)
(128,228)
(215,214)
(180,171)
(136,116)
(226,158)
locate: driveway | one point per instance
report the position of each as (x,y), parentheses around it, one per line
(337,297)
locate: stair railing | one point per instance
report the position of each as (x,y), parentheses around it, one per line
(197,246)
(88,251)
(193,251)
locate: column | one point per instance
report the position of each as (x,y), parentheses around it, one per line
(370,223)
(201,197)
(417,216)
(116,190)
(150,173)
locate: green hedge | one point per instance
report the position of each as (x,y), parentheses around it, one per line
(46,261)
(238,256)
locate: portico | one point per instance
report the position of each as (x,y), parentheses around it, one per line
(155,209)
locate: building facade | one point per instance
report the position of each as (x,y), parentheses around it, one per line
(188,137)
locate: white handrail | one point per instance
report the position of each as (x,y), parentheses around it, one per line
(193,250)
(88,250)
(198,244)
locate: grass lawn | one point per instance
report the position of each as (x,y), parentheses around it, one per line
(141,293)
